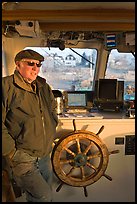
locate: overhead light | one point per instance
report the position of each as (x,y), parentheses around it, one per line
(56,43)
(62,45)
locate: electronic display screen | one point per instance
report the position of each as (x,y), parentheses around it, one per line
(77,100)
(108,89)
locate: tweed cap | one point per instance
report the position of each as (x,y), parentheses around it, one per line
(28,54)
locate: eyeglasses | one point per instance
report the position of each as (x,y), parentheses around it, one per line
(30,63)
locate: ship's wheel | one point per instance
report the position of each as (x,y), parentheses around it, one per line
(80,158)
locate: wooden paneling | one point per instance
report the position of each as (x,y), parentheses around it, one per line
(86,15)
(85,19)
(86,26)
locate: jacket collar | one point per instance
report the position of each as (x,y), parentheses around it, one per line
(18,79)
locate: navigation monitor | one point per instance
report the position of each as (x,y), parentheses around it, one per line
(76,100)
(107,89)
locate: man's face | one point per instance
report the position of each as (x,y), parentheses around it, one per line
(29,68)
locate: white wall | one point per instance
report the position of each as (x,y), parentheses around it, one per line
(12,46)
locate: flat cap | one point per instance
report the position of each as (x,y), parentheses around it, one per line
(28,54)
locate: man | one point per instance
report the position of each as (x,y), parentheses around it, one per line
(29,123)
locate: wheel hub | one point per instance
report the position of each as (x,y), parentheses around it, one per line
(80,160)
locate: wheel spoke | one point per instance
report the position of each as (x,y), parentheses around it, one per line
(69,151)
(88,148)
(82,172)
(68,174)
(78,145)
(66,161)
(95,155)
(91,166)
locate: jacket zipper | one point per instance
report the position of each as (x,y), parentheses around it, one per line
(42,118)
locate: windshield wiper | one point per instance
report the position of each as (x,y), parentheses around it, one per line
(82,56)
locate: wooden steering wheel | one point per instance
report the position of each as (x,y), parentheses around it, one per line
(80,159)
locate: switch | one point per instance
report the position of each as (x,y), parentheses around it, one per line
(119,140)
(130,145)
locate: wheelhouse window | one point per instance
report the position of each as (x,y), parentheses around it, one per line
(68,69)
(121,66)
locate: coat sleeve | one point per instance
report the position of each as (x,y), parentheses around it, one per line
(53,106)
(8,143)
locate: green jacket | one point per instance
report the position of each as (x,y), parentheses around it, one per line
(29,120)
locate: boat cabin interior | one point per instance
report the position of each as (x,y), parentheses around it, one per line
(89,62)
